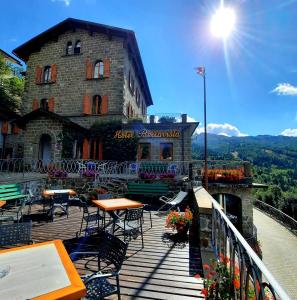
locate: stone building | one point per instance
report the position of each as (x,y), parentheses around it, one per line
(79,73)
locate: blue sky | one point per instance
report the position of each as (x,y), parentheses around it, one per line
(251,79)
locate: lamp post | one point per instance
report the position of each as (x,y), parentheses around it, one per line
(201,71)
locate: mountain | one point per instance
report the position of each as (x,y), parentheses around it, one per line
(261,150)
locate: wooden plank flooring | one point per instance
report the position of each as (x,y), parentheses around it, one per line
(161,270)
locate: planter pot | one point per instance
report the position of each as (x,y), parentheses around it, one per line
(182,230)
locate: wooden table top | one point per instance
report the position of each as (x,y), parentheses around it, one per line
(47,193)
(116,204)
(44,271)
(2,203)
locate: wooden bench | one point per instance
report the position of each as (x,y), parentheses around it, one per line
(10,192)
(148,189)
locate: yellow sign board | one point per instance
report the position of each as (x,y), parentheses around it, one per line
(128,134)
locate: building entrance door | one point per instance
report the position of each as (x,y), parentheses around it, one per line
(45,148)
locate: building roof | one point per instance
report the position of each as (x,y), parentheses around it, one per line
(33,45)
(9,57)
(22,121)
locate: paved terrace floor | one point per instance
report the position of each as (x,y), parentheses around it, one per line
(161,270)
(279,248)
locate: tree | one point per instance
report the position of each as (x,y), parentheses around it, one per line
(167,119)
(11,85)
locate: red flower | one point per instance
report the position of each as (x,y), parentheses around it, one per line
(236,283)
(212,273)
(197,276)
(208,276)
(206,267)
(204,292)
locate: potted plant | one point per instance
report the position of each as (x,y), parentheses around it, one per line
(179,221)
(57,173)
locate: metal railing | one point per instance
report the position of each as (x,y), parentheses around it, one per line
(253,275)
(275,213)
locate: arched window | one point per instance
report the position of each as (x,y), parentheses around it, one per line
(77,47)
(97,103)
(47,74)
(98,69)
(69,48)
(44,104)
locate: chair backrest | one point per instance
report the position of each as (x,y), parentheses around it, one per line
(60,198)
(17,233)
(179,197)
(113,250)
(133,214)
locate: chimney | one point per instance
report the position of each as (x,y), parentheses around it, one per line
(152,119)
(184,118)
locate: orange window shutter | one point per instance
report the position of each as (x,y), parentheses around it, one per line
(38,74)
(86,152)
(54,73)
(16,129)
(35,104)
(87,105)
(100,151)
(51,104)
(94,148)
(106,67)
(4,128)
(89,69)
(104,109)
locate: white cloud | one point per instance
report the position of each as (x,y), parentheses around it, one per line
(221,129)
(290,132)
(285,89)
(66,2)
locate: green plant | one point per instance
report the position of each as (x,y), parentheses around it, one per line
(175,219)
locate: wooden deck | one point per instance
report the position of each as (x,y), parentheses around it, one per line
(161,270)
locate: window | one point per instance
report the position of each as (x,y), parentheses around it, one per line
(166,151)
(44,104)
(47,74)
(77,47)
(144,151)
(98,69)
(97,103)
(137,97)
(69,48)
(131,83)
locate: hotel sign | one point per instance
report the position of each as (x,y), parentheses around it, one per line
(128,134)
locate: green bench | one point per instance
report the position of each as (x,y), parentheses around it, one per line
(148,189)
(10,192)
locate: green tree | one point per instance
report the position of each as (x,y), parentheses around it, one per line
(11,86)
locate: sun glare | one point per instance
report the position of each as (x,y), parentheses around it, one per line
(223,22)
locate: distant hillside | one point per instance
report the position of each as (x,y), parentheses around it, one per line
(261,150)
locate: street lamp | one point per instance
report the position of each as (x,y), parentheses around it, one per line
(201,72)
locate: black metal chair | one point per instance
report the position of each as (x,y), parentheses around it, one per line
(12,212)
(61,201)
(15,233)
(91,220)
(111,252)
(131,225)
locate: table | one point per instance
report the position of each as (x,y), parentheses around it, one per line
(47,193)
(110,205)
(41,271)
(2,203)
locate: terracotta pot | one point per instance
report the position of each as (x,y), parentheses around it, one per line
(182,230)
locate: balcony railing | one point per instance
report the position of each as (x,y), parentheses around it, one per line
(254,277)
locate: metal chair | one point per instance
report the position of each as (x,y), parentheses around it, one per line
(15,233)
(91,220)
(111,252)
(12,212)
(131,224)
(61,201)
(174,201)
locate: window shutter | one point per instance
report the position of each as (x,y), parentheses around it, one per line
(100,151)
(35,104)
(87,105)
(4,128)
(85,154)
(54,73)
(89,69)
(51,104)
(38,75)
(106,73)
(16,129)
(104,107)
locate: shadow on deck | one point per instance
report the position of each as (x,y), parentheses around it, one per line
(163,269)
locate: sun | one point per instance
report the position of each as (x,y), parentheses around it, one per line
(223,22)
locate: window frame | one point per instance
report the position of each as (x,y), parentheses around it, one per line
(97,107)
(43,104)
(162,149)
(47,74)
(149,151)
(77,47)
(69,48)
(98,67)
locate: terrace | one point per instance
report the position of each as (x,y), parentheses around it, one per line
(165,267)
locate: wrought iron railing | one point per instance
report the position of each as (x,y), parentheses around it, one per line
(275,213)
(244,263)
